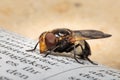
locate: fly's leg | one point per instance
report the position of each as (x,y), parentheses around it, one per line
(47,53)
(83,56)
(61,44)
(33,48)
(91,61)
(50,51)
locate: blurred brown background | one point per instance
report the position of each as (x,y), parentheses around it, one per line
(31,17)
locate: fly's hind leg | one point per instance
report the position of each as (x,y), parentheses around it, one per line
(90,61)
(33,48)
(85,53)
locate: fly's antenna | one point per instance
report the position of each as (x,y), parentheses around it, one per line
(34,47)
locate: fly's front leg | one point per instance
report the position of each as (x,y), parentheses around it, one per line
(33,48)
(50,51)
(47,53)
(61,45)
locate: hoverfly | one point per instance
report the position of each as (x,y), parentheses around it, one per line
(66,40)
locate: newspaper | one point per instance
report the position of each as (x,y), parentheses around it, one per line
(17,64)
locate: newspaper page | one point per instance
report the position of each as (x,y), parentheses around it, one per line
(17,64)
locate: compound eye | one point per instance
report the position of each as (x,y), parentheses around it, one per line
(50,39)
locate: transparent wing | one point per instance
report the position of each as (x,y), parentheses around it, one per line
(89,34)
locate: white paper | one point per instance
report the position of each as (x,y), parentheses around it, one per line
(17,64)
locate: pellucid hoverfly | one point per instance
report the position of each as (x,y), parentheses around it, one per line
(66,40)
